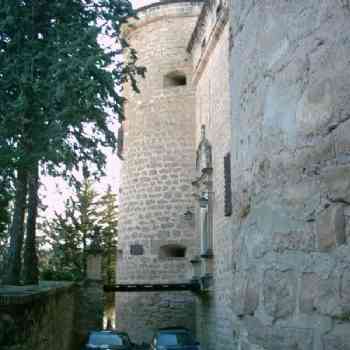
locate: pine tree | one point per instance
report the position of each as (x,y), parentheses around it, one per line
(55,80)
(70,233)
(108,221)
(6,192)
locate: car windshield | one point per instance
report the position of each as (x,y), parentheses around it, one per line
(175,339)
(105,339)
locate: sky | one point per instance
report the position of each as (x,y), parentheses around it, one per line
(54,190)
(140,3)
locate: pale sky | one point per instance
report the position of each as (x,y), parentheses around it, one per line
(54,190)
(140,3)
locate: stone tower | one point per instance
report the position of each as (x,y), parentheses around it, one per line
(156,239)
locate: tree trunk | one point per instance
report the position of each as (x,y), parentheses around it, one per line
(30,266)
(14,263)
(108,264)
(84,255)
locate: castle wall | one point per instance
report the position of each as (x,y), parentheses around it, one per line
(39,317)
(157,174)
(210,53)
(290,84)
(271,83)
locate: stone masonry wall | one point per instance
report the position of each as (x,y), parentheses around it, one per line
(51,315)
(290,86)
(40,319)
(210,54)
(157,173)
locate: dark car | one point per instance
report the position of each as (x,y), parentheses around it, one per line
(108,340)
(176,338)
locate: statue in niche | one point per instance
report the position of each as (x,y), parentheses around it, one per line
(203,188)
(204,157)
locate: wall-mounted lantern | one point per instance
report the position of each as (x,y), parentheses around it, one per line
(196,268)
(203,199)
(188,214)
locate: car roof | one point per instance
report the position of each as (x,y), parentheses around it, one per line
(108,331)
(173,329)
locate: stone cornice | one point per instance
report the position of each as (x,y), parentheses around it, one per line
(209,43)
(166,2)
(19,295)
(160,10)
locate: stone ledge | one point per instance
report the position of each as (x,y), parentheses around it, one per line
(19,295)
(165,2)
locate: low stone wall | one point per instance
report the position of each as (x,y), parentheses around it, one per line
(38,317)
(89,308)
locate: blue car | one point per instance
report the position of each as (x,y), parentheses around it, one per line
(176,338)
(108,340)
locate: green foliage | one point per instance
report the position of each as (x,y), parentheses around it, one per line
(108,221)
(55,80)
(56,85)
(69,234)
(6,193)
(344,317)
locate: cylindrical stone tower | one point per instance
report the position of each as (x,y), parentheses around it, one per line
(156,239)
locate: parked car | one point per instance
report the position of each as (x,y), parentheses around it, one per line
(108,340)
(176,338)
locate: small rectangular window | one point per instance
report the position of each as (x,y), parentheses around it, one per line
(228,191)
(175,79)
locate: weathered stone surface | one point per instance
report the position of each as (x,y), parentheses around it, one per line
(319,295)
(279,293)
(338,339)
(158,171)
(345,288)
(278,338)
(245,293)
(342,142)
(331,228)
(295,240)
(337,183)
(245,346)
(286,117)
(38,317)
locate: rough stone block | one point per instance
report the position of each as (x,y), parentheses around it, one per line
(294,240)
(342,140)
(245,294)
(279,292)
(345,288)
(316,107)
(339,339)
(308,293)
(278,338)
(319,295)
(245,346)
(337,183)
(331,228)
